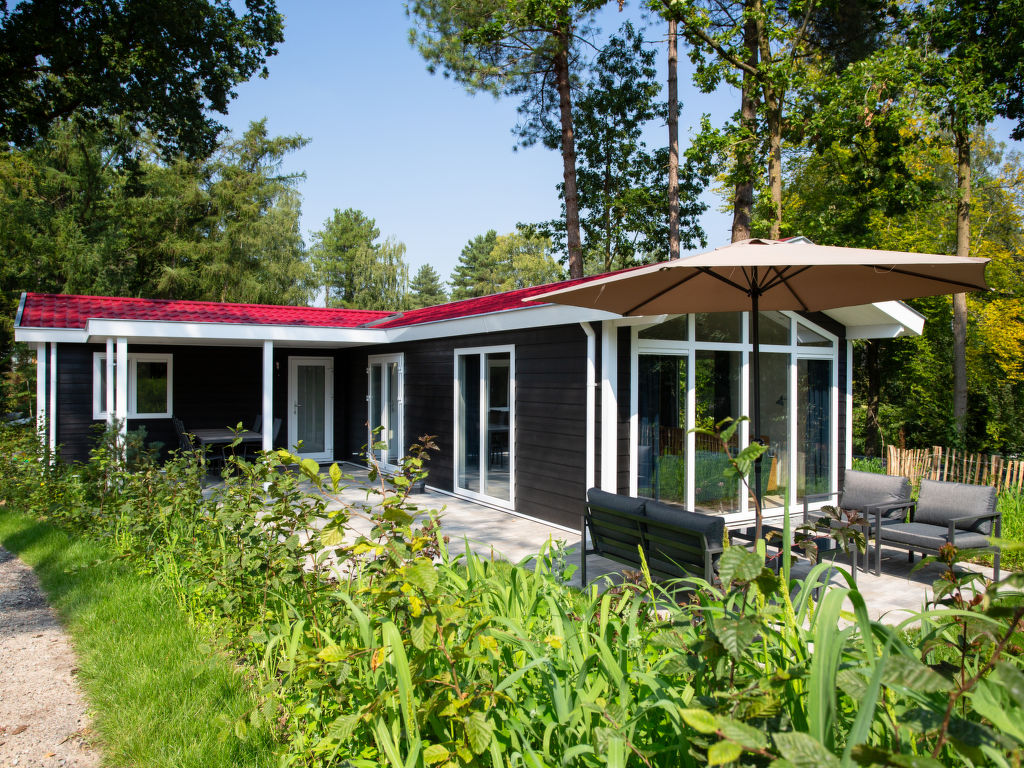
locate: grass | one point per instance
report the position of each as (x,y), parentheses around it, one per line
(158,694)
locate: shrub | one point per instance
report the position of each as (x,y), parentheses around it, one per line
(387,648)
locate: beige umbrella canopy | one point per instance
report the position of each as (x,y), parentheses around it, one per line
(774,274)
(754,275)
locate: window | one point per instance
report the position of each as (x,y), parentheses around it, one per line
(149,386)
(696,379)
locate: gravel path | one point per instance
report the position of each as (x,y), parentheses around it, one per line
(42,711)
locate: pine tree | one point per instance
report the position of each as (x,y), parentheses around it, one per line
(474,274)
(426,288)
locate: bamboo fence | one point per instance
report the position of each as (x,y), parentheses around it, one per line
(938,463)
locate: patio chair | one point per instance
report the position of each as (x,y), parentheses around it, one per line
(879,500)
(946,513)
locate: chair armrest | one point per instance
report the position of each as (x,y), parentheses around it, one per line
(817,497)
(878,509)
(967,518)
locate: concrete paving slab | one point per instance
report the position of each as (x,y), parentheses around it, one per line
(897,594)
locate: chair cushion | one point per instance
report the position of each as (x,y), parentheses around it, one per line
(939,502)
(864,490)
(926,536)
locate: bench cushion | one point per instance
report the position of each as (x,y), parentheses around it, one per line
(615,502)
(613,531)
(864,490)
(926,536)
(939,502)
(676,539)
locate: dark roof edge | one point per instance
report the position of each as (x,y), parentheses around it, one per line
(377,321)
(21,310)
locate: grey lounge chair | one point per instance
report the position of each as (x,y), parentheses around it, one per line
(946,513)
(880,500)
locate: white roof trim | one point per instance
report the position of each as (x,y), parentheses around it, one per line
(502,320)
(882,320)
(887,319)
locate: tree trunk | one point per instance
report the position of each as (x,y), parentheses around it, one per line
(572,213)
(673,143)
(963,248)
(743,201)
(872,429)
(773,103)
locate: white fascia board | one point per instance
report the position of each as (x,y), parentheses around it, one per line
(505,320)
(882,320)
(53,335)
(149,330)
(881,331)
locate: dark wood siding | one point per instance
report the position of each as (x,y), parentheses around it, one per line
(75,434)
(550,412)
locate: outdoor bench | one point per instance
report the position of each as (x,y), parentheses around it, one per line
(676,542)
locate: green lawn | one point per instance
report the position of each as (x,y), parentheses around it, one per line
(158,694)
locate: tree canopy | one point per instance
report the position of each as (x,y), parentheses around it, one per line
(159,67)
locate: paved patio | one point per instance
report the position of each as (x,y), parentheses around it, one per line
(891,597)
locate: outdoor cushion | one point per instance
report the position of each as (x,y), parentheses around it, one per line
(615,502)
(940,502)
(612,535)
(681,546)
(712,526)
(925,536)
(866,490)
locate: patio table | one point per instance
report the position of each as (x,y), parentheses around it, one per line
(224,436)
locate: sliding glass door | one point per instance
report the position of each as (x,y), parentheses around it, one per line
(484,421)
(384,404)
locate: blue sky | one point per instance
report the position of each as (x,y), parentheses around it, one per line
(431,163)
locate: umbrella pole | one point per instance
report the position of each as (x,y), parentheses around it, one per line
(755,335)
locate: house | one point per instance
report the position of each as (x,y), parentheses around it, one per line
(531,403)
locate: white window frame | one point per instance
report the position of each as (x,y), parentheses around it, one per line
(482,352)
(398,429)
(99,395)
(689,348)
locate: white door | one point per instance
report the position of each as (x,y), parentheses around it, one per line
(384,409)
(485,423)
(311,407)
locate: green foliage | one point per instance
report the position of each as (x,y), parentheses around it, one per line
(623,194)
(160,67)
(374,645)
(354,268)
(83,214)
(492,263)
(426,288)
(472,275)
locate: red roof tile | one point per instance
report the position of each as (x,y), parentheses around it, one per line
(496,302)
(44,310)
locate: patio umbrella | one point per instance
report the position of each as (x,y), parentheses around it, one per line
(754,275)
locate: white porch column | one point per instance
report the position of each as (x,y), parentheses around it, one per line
(848,448)
(609,406)
(109,394)
(591,438)
(41,378)
(121,395)
(268,395)
(52,413)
